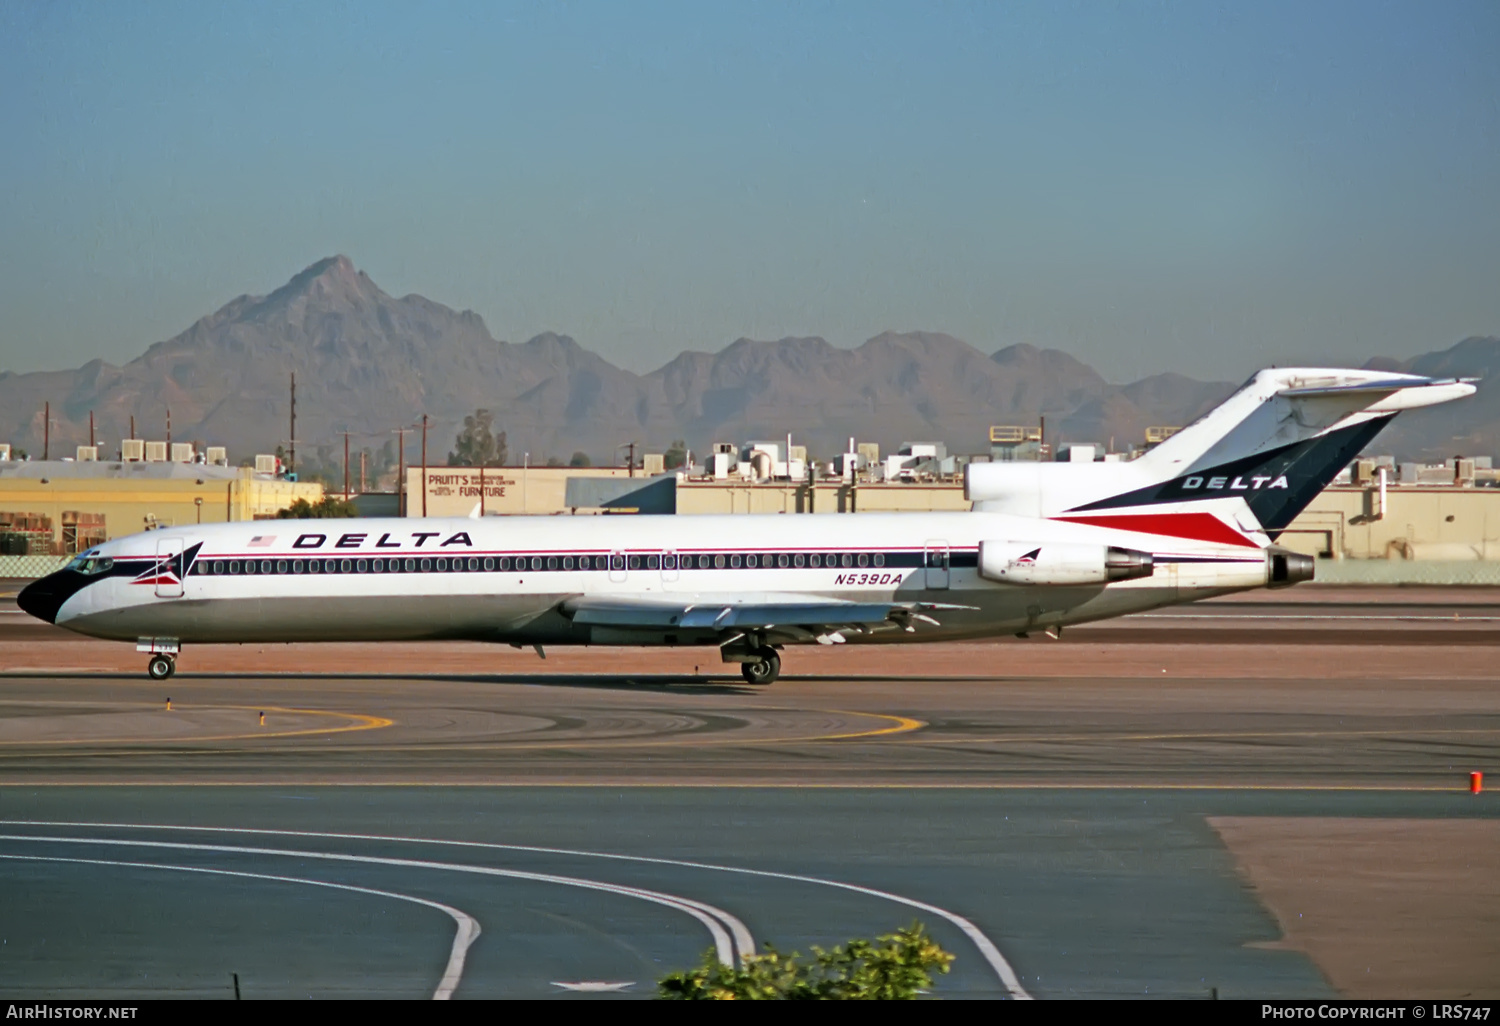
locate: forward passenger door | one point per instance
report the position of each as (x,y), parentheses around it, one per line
(169,571)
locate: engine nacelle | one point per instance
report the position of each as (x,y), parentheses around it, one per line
(1012,562)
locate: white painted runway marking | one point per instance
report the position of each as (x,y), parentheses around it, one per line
(595,986)
(715,919)
(986,947)
(465,935)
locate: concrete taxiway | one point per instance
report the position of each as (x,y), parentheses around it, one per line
(1104,815)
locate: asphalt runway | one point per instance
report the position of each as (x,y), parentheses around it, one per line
(424,820)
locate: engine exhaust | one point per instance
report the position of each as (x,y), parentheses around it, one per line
(1284,569)
(1127,564)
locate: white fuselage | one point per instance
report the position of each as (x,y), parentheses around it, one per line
(510,579)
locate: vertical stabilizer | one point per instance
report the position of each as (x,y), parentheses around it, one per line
(1240,473)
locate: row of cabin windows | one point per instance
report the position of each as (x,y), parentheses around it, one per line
(616,561)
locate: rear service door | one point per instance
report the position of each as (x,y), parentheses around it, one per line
(668,567)
(935,559)
(169,568)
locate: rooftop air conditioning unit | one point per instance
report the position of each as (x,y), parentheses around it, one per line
(132,450)
(156,452)
(218,455)
(182,452)
(265,464)
(88,453)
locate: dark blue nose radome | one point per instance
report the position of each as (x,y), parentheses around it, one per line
(43,598)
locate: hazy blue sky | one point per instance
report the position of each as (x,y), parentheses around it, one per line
(1194,186)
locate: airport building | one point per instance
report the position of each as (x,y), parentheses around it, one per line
(50,509)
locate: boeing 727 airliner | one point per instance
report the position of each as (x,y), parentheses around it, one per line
(1046,546)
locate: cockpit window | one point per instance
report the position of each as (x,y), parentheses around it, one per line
(87,564)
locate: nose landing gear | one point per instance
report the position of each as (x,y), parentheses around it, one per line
(163,652)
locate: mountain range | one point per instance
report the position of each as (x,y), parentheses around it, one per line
(369,363)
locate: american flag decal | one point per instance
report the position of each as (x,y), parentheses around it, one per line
(261,541)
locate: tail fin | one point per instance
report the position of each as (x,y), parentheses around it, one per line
(1242,472)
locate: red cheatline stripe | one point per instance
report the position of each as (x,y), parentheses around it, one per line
(1197,526)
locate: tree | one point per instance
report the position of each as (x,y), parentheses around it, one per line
(476,444)
(553,461)
(896,966)
(328,508)
(675,456)
(580,459)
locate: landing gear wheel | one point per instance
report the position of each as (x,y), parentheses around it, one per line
(161,667)
(765,670)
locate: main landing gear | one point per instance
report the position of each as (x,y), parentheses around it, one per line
(161,667)
(764,669)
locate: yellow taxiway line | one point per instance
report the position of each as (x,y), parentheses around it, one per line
(361,722)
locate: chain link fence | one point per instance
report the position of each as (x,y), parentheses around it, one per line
(30,567)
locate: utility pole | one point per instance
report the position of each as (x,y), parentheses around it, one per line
(291,451)
(132,427)
(401,472)
(346,466)
(481,487)
(91,428)
(362,454)
(169,432)
(46,430)
(424,464)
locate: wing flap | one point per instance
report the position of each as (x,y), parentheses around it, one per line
(729,615)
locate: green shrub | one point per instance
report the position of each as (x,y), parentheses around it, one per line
(895,967)
(330,506)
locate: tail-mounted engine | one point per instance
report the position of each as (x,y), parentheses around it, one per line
(1284,568)
(1011,562)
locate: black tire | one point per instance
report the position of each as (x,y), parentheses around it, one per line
(161,667)
(765,670)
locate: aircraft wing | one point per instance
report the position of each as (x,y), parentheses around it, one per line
(791,615)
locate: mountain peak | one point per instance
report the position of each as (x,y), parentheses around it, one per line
(333,276)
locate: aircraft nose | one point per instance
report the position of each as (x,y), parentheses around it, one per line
(41,600)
